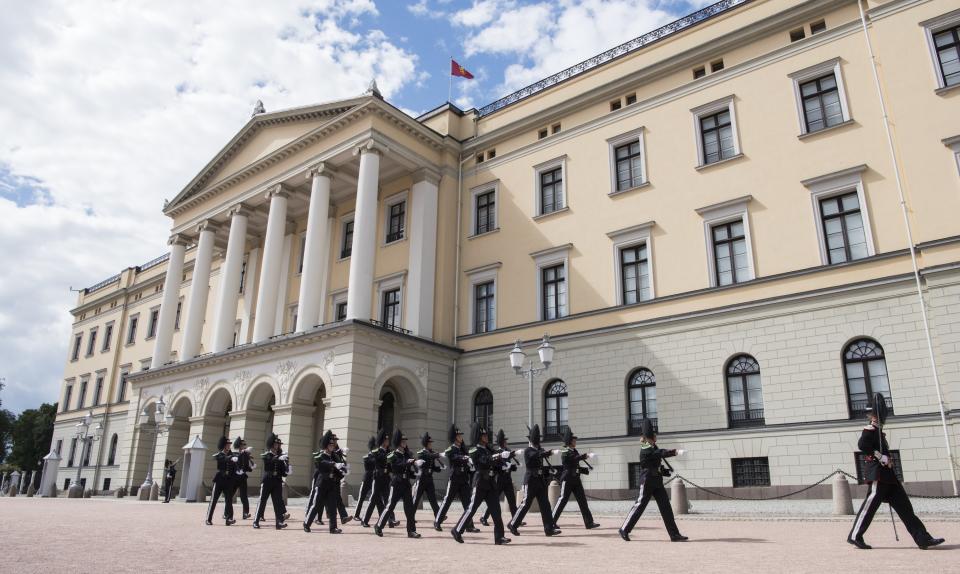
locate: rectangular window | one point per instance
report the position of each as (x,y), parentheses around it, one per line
(554,283)
(107,337)
(106,484)
(82,397)
(341,311)
(67,395)
(797,35)
(59,446)
(85,454)
(631,99)
(751,471)
(98,390)
(699,72)
(817,27)
(396,222)
(731,262)
(346,245)
(73,451)
(66,483)
(614,106)
(634,274)
(483,314)
(821,103)
(176,320)
(293,318)
(152,323)
(132,331)
(629,165)
(843,229)
(390,309)
(544,133)
(716,136)
(551,190)
(861,463)
(92,342)
(491,154)
(716,66)
(480,157)
(633,475)
(77,341)
(947,46)
(555,129)
(303,252)
(486,219)
(122,393)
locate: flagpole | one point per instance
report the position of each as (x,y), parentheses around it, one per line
(450,84)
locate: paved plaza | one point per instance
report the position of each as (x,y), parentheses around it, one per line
(109,535)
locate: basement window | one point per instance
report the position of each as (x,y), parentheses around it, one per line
(716,66)
(615,105)
(797,35)
(631,99)
(699,72)
(818,27)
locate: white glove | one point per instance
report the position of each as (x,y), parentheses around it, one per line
(443,466)
(239,473)
(555,451)
(253,465)
(419,462)
(505,454)
(591,455)
(234,459)
(289,469)
(681,452)
(518,452)
(884,460)
(443,455)
(470,463)
(339,465)
(284,457)
(345,451)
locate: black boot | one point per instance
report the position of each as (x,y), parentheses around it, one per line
(624,535)
(456,536)
(931,542)
(859,543)
(500,541)
(256,524)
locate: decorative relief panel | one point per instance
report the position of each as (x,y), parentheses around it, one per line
(285,371)
(241,382)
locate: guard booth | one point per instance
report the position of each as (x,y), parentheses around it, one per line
(194,459)
(51,467)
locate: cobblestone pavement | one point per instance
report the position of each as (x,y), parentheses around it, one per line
(105,535)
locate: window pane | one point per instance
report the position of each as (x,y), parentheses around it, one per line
(828,82)
(720,232)
(723,118)
(736,229)
(808,89)
(829,207)
(850,202)
(735,392)
(708,122)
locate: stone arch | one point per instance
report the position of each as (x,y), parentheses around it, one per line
(259,393)
(410,411)
(181,405)
(306,384)
(215,401)
(170,446)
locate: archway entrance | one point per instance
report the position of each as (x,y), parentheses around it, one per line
(215,423)
(177,436)
(400,408)
(387,412)
(303,424)
(142,447)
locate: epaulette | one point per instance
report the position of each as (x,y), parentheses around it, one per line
(646,445)
(869,427)
(317,455)
(565,449)
(421,451)
(449,448)
(473,450)
(391,455)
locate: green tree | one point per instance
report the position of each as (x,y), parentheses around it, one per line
(31,437)
(7,420)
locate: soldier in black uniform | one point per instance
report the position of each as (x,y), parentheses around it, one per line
(570,482)
(224,481)
(535,481)
(339,455)
(381,481)
(402,467)
(504,476)
(331,472)
(245,465)
(366,484)
(884,486)
(651,484)
(276,465)
(458,485)
(484,487)
(170,473)
(424,483)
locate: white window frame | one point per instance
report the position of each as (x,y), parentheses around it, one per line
(129,340)
(302,253)
(632,236)
(77,348)
(341,231)
(336,298)
(476,276)
(931,27)
(108,329)
(954,144)
(613,143)
(832,185)
(145,364)
(123,370)
(389,202)
(389,283)
(727,212)
(100,374)
(480,190)
(813,72)
(92,341)
(710,108)
(549,165)
(155,324)
(548,258)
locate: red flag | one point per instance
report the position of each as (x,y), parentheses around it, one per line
(459,71)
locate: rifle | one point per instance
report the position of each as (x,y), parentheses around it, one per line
(880,408)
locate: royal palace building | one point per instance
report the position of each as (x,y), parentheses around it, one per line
(741,225)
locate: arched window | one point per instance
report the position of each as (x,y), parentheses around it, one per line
(744,395)
(483,408)
(113,451)
(642,397)
(385,415)
(555,407)
(865,369)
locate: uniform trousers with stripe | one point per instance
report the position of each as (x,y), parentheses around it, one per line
(242,491)
(399,490)
(424,485)
(221,487)
(378,499)
(534,489)
(483,491)
(366,485)
(505,484)
(271,488)
(457,487)
(573,486)
(893,493)
(659,493)
(325,495)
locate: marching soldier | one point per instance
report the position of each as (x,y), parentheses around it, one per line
(535,481)
(366,484)
(884,487)
(381,481)
(504,476)
(276,465)
(224,481)
(651,484)
(485,463)
(332,471)
(168,476)
(339,455)
(245,465)
(458,485)
(570,482)
(402,467)
(424,483)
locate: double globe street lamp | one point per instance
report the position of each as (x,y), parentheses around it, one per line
(161,419)
(517,357)
(86,441)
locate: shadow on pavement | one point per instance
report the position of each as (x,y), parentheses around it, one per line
(760,540)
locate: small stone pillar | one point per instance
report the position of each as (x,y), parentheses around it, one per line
(31,491)
(24,481)
(155,491)
(118,493)
(88,493)
(345,492)
(553,493)
(842,503)
(286,493)
(201,494)
(14,483)
(678,497)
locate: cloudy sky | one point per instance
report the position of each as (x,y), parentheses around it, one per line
(107,107)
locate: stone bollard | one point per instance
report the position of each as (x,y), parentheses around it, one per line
(155,491)
(201,493)
(344,492)
(553,493)
(118,493)
(31,491)
(842,503)
(678,497)
(12,491)
(88,493)
(286,493)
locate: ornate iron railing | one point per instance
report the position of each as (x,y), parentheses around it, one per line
(636,422)
(102,284)
(390,327)
(746,418)
(859,406)
(613,53)
(153,262)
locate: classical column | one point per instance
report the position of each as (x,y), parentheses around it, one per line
(283,286)
(364,233)
(168,307)
(332,243)
(314,262)
(423,253)
(199,289)
(272,264)
(226,316)
(249,294)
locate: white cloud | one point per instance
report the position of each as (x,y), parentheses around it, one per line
(113,107)
(422,8)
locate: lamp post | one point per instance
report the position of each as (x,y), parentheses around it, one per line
(517,357)
(84,438)
(161,420)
